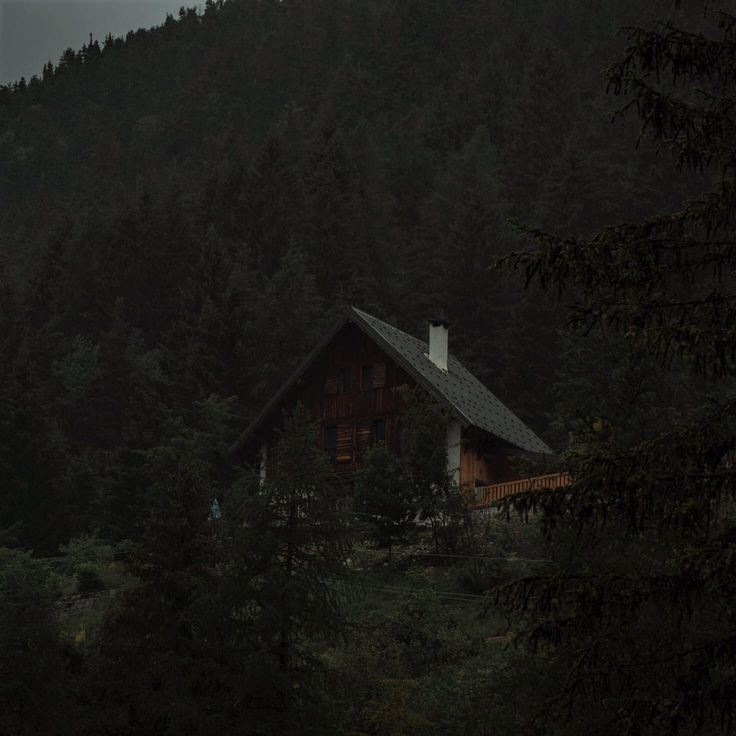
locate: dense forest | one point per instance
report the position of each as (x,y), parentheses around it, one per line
(184,211)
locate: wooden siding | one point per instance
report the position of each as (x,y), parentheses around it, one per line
(373,395)
(482,460)
(353,412)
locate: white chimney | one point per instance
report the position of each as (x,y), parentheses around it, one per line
(438,342)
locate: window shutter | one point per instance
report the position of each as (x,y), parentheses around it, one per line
(331,385)
(364,435)
(379,375)
(344,443)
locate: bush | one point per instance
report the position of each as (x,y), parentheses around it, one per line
(89,580)
(85,550)
(30,660)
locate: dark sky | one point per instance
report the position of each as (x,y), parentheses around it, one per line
(33,32)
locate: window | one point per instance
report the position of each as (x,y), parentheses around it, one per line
(373,376)
(345,381)
(366,377)
(331,441)
(379,432)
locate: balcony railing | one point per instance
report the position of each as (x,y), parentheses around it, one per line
(482,496)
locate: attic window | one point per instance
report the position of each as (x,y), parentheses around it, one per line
(373,376)
(366,377)
(345,380)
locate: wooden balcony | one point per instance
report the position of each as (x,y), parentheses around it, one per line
(483,496)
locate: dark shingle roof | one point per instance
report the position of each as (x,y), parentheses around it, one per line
(459,389)
(461,392)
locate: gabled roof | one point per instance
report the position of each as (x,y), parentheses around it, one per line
(458,389)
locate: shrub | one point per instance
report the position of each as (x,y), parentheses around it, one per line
(89,580)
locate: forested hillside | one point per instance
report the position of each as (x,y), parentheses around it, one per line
(183,212)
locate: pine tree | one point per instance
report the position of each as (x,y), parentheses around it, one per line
(385,498)
(286,327)
(152,672)
(436,497)
(644,613)
(285,576)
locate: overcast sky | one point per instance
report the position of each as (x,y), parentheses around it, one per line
(33,32)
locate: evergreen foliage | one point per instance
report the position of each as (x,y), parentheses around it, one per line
(648,620)
(184,208)
(285,582)
(184,211)
(384,497)
(151,658)
(398,494)
(423,453)
(31,664)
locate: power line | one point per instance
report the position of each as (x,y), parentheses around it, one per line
(440,593)
(480,557)
(444,594)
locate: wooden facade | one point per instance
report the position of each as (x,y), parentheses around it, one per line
(483,459)
(352,387)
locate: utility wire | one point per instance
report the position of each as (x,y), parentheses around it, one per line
(445,594)
(439,593)
(480,557)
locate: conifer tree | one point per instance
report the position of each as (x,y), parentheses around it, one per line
(285,576)
(385,497)
(648,618)
(436,496)
(153,670)
(287,326)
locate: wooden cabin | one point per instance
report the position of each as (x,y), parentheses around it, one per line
(349,383)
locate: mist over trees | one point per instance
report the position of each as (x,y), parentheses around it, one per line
(182,214)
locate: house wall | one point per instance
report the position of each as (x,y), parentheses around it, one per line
(454,448)
(352,414)
(482,459)
(475,457)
